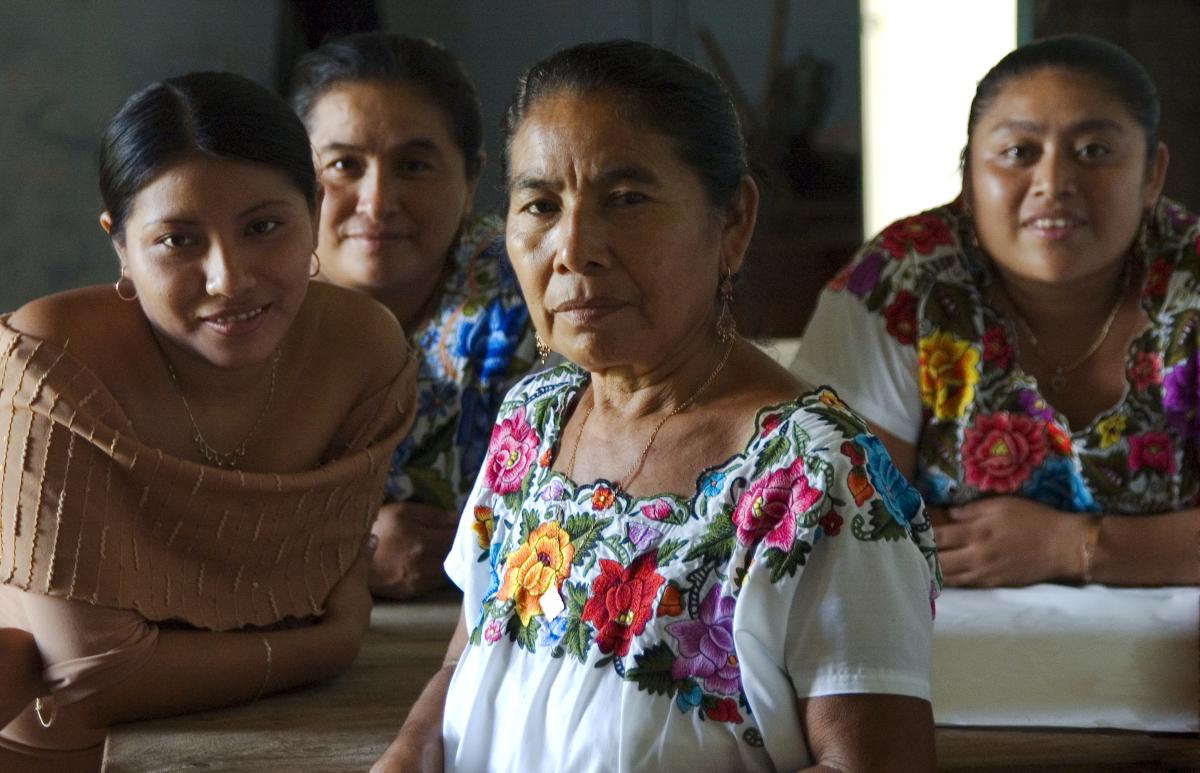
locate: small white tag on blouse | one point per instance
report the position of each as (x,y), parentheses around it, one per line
(552,603)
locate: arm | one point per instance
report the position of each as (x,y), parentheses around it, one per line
(20,673)
(197,670)
(414,539)
(418,746)
(869,732)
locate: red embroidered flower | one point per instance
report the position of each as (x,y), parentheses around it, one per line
(1159,274)
(509,454)
(1153,450)
(1145,370)
(901,316)
(1058,438)
(768,509)
(602,498)
(1001,451)
(831,523)
(723,710)
(921,232)
(854,453)
(770,422)
(996,348)
(622,601)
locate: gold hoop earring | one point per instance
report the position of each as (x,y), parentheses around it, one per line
(543,348)
(126,289)
(726,324)
(314,269)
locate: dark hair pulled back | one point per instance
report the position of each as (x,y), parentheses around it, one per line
(386,56)
(215,114)
(661,90)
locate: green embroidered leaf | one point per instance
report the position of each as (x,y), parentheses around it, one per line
(1185,331)
(785,564)
(653,670)
(527,634)
(529,522)
(718,543)
(577,638)
(431,488)
(842,421)
(879,293)
(584,531)
(537,414)
(576,597)
(476,636)
(667,550)
(882,525)
(604,661)
(1107,475)
(776,449)
(948,308)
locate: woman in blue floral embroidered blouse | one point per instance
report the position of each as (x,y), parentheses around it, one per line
(396,128)
(1029,352)
(675,557)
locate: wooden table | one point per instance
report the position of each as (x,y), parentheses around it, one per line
(345,724)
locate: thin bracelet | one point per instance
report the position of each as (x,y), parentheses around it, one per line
(267,673)
(39,707)
(1091,538)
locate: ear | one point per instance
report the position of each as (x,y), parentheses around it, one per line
(106,222)
(472,188)
(738,225)
(316,216)
(1156,175)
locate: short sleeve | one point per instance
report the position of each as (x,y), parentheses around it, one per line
(850,349)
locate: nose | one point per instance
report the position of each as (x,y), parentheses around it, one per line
(582,243)
(225,274)
(377,194)
(1054,174)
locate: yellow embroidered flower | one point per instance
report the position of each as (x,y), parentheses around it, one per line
(830,399)
(483,526)
(949,370)
(544,560)
(1110,429)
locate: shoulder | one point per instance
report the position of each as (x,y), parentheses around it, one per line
(106,334)
(356,332)
(1173,271)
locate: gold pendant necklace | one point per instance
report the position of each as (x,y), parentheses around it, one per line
(636,468)
(1059,380)
(217,458)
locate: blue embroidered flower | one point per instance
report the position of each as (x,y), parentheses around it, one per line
(1056,484)
(934,486)
(491,338)
(438,400)
(900,498)
(398,486)
(711,483)
(689,696)
(550,631)
(477,412)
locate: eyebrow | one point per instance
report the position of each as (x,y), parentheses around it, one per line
(1086,125)
(170,220)
(630,173)
(417,143)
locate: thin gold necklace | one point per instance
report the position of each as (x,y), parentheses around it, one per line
(217,458)
(1059,380)
(636,469)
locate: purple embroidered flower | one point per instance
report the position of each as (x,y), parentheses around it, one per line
(865,275)
(642,536)
(706,646)
(553,492)
(1033,405)
(1181,396)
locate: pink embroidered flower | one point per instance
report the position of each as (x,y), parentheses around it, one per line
(492,631)
(901,317)
(1153,450)
(657,510)
(770,422)
(510,453)
(921,233)
(706,649)
(1158,275)
(1001,450)
(622,601)
(770,507)
(996,348)
(1145,370)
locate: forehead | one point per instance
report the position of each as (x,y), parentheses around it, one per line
(209,188)
(567,133)
(376,112)
(1051,97)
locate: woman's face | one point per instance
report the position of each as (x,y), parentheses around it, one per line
(396,187)
(219,252)
(614,241)
(1058,177)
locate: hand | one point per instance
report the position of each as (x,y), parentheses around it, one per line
(1008,541)
(414,539)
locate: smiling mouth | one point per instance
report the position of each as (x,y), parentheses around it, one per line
(229,320)
(1052,223)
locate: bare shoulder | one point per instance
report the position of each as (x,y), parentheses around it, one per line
(764,380)
(358,333)
(88,320)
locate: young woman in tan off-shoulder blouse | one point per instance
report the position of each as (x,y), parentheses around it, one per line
(191,459)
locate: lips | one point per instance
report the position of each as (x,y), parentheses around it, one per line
(588,309)
(236,321)
(1054,225)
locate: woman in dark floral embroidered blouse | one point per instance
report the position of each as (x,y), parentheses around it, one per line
(1029,352)
(675,557)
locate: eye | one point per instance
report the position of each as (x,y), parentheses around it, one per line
(260,227)
(175,241)
(628,198)
(346,165)
(1018,153)
(414,166)
(539,207)
(1094,150)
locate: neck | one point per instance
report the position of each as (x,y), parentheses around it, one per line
(1048,305)
(413,303)
(204,384)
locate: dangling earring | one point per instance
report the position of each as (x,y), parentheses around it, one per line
(126,289)
(726,324)
(315,265)
(543,348)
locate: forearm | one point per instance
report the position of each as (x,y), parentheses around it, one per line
(20,672)
(1145,550)
(198,670)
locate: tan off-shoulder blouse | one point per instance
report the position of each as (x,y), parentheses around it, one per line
(90,513)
